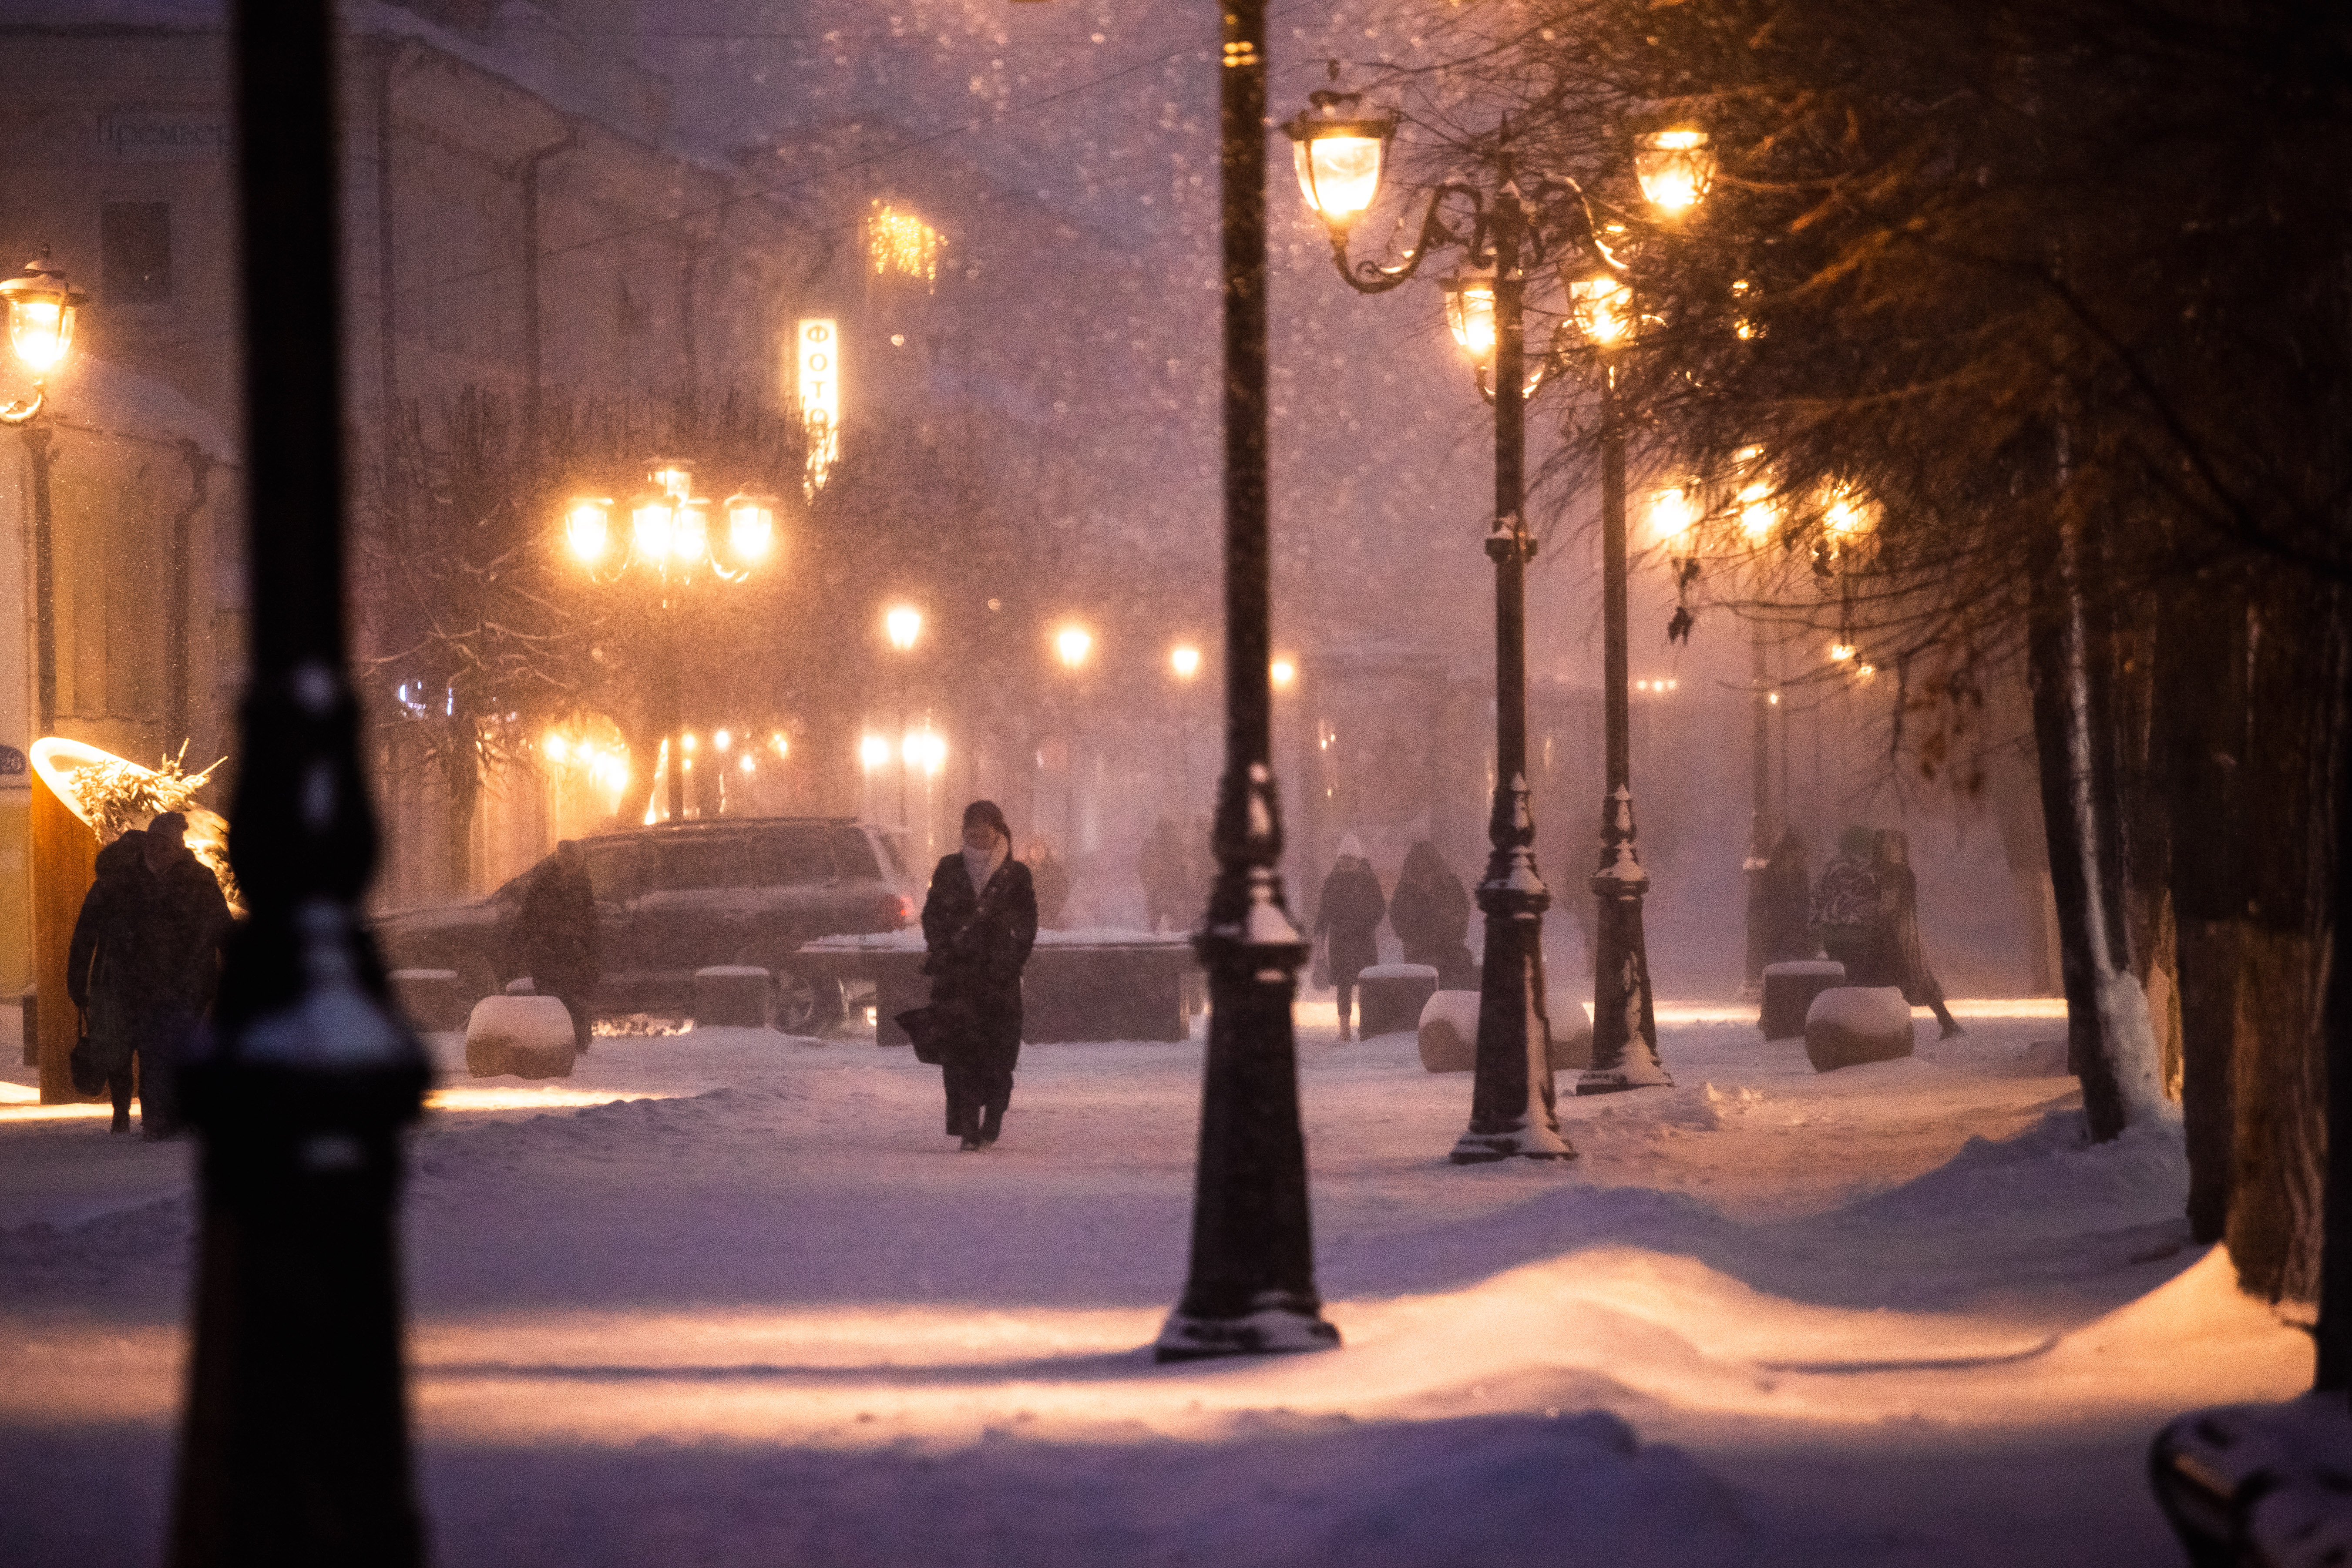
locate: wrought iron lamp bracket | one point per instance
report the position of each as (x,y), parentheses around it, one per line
(1436,234)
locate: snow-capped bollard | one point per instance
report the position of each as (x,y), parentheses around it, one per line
(1849,1024)
(1789,992)
(735,995)
(1392,997)
(527,1036)
(1449,1031)
(1571,1032)
(431,999)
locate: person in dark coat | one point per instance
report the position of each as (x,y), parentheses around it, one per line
(1165,871)
(979,920)
(143,962)
(1430,913)
(554,939)
(1901,958)
(1346,917)
(1785,899)
(1845,910)
(1051,882)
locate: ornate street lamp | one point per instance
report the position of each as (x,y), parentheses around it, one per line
(1511,227)
(40,310)
(669,534)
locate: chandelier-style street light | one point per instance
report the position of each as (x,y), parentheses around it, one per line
(1511,223)
(670,535)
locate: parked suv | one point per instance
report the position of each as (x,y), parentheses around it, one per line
(674,898)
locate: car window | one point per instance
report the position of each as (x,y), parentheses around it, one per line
(852,857)
(788,858)
(613,871)
(701,863)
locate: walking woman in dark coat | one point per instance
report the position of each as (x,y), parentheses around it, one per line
(980,922)
(1430,912)
(1902,961)
(554,938)
(1346,916)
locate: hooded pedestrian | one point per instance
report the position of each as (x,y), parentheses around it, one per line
(143,962)
(554,939)
(979,920)
(1845,910)
(1904,960)
(1346,917)
(1430,913)
(1165,870)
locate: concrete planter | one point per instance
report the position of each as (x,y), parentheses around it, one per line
(1789,993)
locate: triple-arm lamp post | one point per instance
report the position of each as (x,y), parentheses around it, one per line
(1519,221)
(670,537)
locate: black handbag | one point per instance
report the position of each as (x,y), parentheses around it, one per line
(928,1030)
(82,1064)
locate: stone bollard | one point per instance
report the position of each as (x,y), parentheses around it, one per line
(1449,1033)
(432,999)
(1849,1024)
(733,995)
(528,1037)
(1571,1033)
(1789,992)
(1389,997)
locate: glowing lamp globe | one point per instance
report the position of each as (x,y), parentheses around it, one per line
(750,526)
(671,476)
(1339,151)
(1673,512)
(903,624)
(1603,309)
(1185,661)
(1470,311)
(653,519)
(1072,644)
(588,527)
(1676,167)
(689,538)
(41,312)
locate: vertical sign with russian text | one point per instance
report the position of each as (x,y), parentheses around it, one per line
(819,351)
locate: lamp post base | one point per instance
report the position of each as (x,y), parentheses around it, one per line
(1534,1142)
(1277,1325)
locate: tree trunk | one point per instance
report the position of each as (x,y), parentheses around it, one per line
(2295,666)
(2200,736)
(2110,1046)
(461,771)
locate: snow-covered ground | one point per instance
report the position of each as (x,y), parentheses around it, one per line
(762,1313)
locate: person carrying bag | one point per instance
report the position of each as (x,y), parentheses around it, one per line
(980,922)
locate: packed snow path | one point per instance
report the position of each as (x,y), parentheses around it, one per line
(767,1314)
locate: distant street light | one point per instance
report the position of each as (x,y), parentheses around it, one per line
(1185,660)
(1282,672)
(1516,221)
(669,538)
(1072,644)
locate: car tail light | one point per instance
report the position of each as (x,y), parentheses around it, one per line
(902,913)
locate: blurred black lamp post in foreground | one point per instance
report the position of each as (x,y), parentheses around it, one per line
(294,1444)
(40,308)
(670,537)
(1340,151)
(1251,1285)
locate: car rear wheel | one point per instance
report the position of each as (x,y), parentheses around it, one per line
(806,1005)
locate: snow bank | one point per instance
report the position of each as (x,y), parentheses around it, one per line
(529,1037)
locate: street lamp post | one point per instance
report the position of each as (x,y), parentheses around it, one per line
(903,625)
(1250,1288)
(40,308)
(1340,151)
(1072,646)
(670,535)
(294,1441)
(1184,663)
